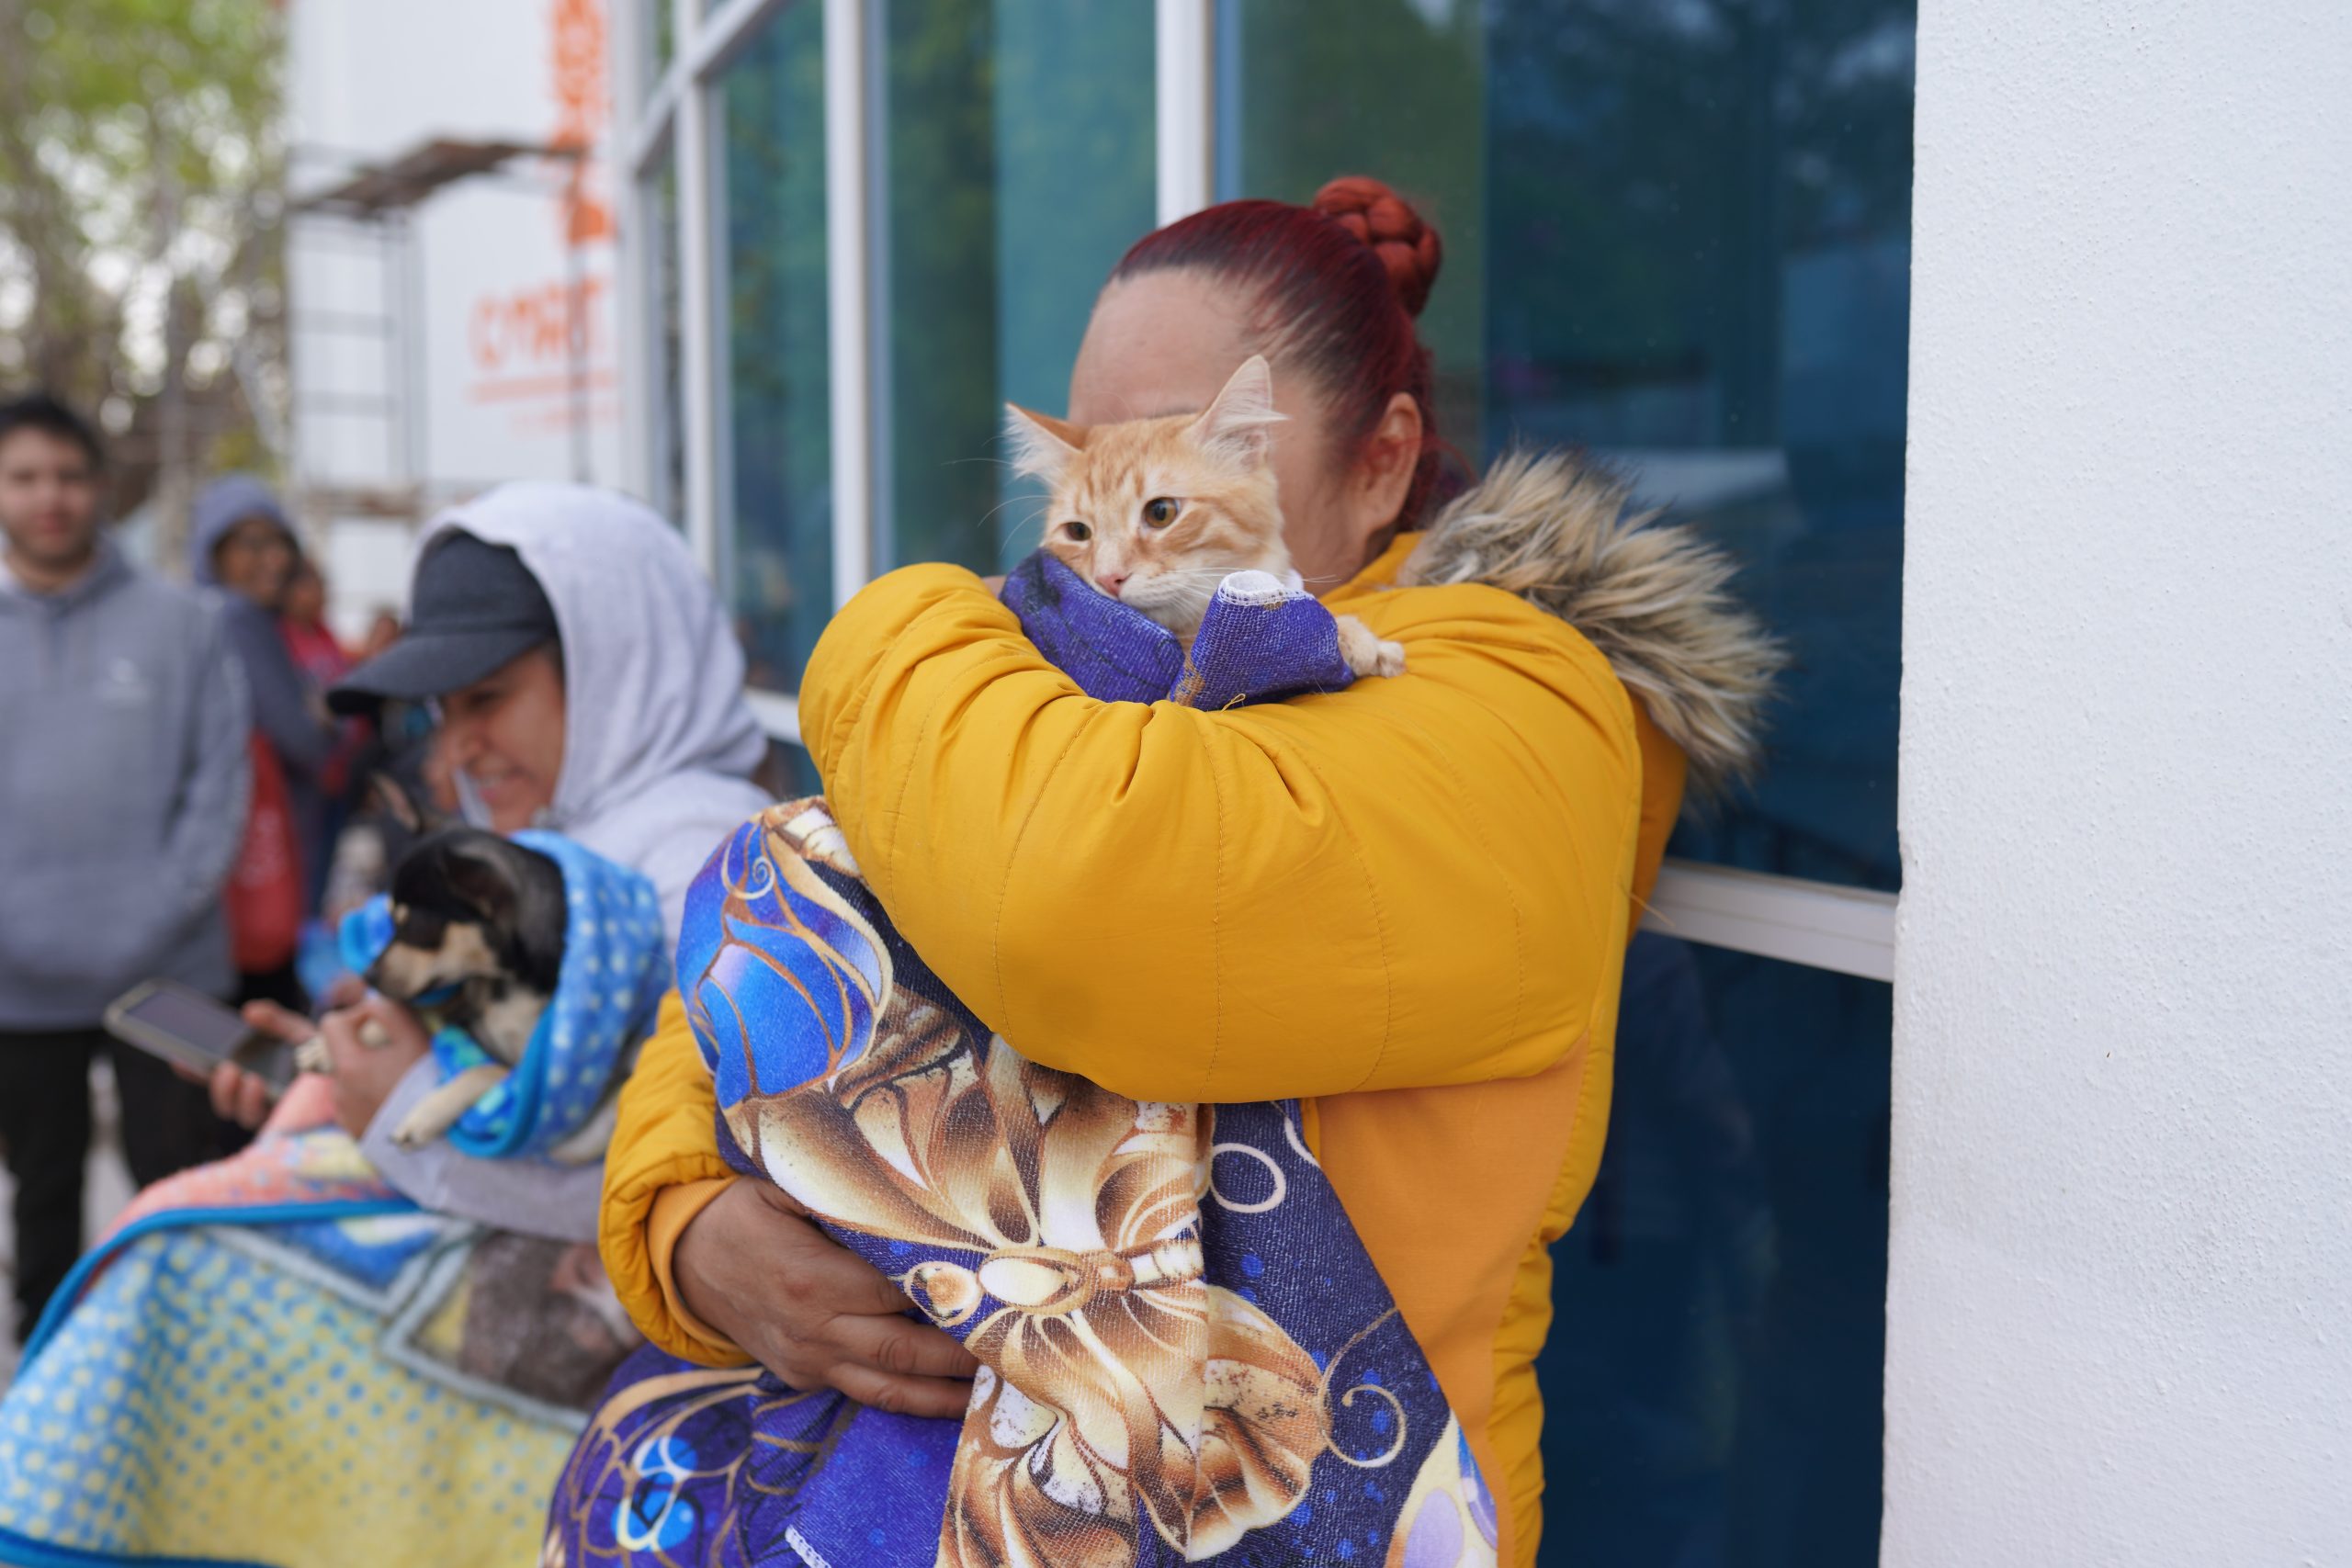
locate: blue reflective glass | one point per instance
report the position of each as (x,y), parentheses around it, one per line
(1712,1384)
(1016,149)
(775,454)
(789,772)
(1699,219)
(1678,234)
(666,489)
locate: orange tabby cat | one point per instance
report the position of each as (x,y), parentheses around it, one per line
(1155,512)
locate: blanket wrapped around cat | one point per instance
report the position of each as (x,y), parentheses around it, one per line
(1186,1353)
(279,1351)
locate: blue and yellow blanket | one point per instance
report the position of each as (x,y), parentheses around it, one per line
(277,1359)
(1187,1355)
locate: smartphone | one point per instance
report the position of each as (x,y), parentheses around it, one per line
(166,1018)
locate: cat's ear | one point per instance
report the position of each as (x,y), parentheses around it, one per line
(1042,444)
(1238,424)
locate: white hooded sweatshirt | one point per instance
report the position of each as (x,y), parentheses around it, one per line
(657,754)
(659,745)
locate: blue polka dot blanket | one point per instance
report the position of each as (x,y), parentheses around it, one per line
(605,994)
(1187,1355)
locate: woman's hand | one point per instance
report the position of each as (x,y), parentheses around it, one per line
(365,1075)
(754,1267)
(245,1097)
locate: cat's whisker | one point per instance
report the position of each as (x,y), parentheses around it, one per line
(1010,501)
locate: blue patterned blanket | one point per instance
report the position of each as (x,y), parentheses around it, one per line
(1187,1355)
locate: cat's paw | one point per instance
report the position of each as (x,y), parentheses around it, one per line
(1366,654)
(312,1055)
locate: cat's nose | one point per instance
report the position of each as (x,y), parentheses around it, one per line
(1112,581)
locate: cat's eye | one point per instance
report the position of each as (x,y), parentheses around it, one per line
(1160,510)
(1076,532)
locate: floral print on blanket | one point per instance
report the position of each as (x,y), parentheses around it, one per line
(1187,1354)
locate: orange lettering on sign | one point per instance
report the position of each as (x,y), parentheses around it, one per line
(537,326)
(577,47)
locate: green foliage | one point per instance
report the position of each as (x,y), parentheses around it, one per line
(141,166)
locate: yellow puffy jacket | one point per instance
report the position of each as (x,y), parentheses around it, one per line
(1405,904)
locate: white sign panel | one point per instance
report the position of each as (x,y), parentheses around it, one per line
(513,367)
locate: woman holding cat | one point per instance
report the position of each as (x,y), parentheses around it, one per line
(1406,903)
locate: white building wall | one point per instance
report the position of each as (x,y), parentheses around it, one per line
(484,316)
(2121,1250)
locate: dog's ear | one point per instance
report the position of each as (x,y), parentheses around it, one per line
(477,867)
(392,798)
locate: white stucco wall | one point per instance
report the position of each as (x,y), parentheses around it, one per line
(2120,1293)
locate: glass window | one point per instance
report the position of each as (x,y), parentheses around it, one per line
(1678,232)
(666,475)
(774,449)
(1711,1389)
(788,773)
(1313,89)
(657,26)
(1015,161)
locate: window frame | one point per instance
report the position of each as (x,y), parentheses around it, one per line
(679,117)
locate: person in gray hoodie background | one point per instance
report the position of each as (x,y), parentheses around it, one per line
(123,786)
(240,542)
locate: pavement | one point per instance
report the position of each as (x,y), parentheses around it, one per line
(104,1194)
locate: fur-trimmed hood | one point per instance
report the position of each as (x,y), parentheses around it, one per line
(1654,598)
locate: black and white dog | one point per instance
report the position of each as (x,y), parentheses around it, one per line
(477,943)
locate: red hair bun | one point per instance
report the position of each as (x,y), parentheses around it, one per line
(1406,247)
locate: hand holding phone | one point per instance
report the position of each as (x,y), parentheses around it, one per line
(190,1030)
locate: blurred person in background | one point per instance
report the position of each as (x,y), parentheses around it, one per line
(302,623)
(384,630)
(240,542)
(123,720)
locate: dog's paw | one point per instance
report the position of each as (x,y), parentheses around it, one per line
(312,1056)
(419,1127)
(372,1035)
(1388,658)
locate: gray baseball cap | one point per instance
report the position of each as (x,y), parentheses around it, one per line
(476,609)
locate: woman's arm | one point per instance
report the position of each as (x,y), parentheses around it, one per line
(284,708)
(665,1137)
(1416,881)
(722,1271)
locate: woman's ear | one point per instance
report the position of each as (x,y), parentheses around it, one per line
(1385,466)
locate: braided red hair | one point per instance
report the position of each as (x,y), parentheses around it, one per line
(1337,286)
(1407,247)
